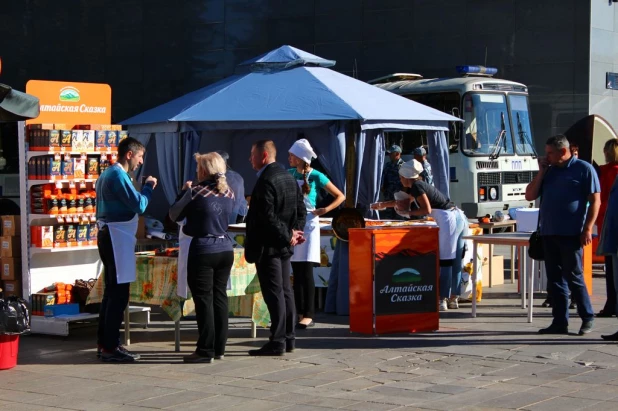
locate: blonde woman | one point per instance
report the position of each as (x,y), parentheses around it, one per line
(308,253)
(206,255)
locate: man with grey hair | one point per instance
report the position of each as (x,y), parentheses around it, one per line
(237,184)
(566,186)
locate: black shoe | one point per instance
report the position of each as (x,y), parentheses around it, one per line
(572,305)
(546,303)
(219,357)
(195,358)
(99,350)
(268,351)
(290,345)
(116,356)
(554,329)
(586,327)
(605,314)
(302,326)
(611,337)
(122,349)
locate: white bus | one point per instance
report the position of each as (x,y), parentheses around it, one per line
(492,156)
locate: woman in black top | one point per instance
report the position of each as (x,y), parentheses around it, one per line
(208,250)
(452,222)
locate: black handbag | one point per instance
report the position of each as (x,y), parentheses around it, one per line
(535,249)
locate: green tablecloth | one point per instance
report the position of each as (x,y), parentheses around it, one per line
(156,284)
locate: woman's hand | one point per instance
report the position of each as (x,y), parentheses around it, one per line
(402,205)
(187,185)
(377,206)
(319,211)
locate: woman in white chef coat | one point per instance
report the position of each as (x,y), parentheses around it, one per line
(451,220)
(308,253)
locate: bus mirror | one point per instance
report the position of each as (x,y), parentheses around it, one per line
(454,130)
(453,125)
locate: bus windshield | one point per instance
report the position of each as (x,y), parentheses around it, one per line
(482,115)
(520,117)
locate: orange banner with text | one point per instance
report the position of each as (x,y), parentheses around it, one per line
(71,103)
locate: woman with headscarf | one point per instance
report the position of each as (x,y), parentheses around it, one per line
(307,254)
(206,254)
(451,220)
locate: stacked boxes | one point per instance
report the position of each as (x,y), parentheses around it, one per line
(10,255)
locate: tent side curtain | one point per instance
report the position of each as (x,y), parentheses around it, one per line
(369,167)
(168,156)
(437,142)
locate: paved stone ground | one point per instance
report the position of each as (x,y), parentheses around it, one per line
(495,361)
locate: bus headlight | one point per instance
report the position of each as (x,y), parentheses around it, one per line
(493,193)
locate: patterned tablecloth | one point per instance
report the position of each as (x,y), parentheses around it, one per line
(156,284)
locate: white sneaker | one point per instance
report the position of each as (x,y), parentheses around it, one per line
(443,305)
(453,304)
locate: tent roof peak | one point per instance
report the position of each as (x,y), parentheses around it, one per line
(287,57)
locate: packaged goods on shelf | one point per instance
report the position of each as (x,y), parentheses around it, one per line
(101,139)
(11,268)
(112,139)
(82,234)
(92,166)
(88,140)
(77,140)
(93,230)
(54,138)
(67,169)
(66,139)
(42,300)
(60,236)
(11,246)
(11,225)
(122,135)
(79,167)
(11,288)
(71,236)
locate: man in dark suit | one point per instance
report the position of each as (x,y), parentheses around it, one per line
(276,216)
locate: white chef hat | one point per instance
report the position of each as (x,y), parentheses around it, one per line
(411,169)
(303,150)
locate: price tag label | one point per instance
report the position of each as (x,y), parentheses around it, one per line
(57,157)
(103,157)
(58,184)
(60,219)
(72,184)
(62,149)
(67,157)
(83,156)
(82,184)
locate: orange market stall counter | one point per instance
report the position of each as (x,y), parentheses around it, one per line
(394,279)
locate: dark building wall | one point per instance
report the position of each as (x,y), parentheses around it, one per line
(151,51)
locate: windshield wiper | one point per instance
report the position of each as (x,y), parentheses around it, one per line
(524,138)
(498,142)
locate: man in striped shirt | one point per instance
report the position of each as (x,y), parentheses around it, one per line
(118,204)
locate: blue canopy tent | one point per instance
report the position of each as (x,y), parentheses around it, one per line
(278,95)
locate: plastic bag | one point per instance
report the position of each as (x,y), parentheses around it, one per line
(465,288)
(14,316)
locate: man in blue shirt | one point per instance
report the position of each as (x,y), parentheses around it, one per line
(118,204)
(566,186)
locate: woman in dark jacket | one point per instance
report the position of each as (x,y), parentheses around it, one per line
(206,254)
